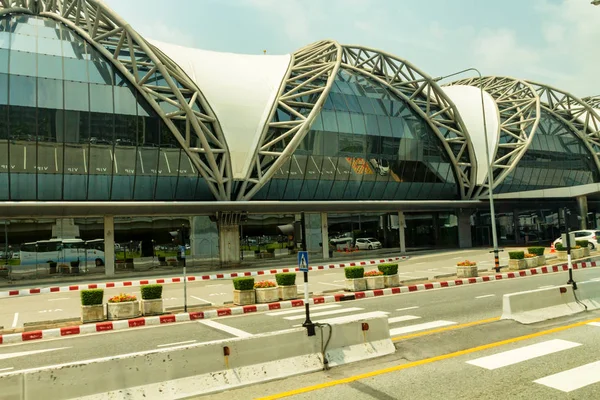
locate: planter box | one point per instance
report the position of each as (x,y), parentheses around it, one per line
(267,295)
(515,265)
(466,271)
(576,254)
(356,285)
(586,251)
(92,313)
(531,262)
(375,282)
(541,261)
(561,255)
(391,280)
(287,292)
(126,310)
(244,297)
(152,307)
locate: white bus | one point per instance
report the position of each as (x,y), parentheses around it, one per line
(63,251)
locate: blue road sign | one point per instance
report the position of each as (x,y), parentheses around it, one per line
(182,251)
(303,261)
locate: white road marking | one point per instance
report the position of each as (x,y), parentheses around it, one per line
(339,311)
(419,263)
(199,299)
(402,318)
(301,309)
(407,308)
(6,369)
(59,299)
(546,287)
(225,328)
(573,379)
(353,317)
(484,296)
(420,327)
(218,284)
(15,320)
(594,323)
(331,284)
(6,356)
(175,344)
(521,354)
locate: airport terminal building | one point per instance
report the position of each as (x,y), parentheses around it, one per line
(108,135)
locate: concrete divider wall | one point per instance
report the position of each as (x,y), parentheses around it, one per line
(200,369)
(548,303)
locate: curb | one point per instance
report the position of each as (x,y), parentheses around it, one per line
(166,281)
(224,312)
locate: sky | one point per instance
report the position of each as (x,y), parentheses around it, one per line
(555,42)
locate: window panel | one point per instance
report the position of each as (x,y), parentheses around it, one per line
(24,43)
(51,47)
(23,63)
(50,67)
(100,71)
(50,93)
(101,98)
(4,40)
(22,91)
(4,61)
(125,101)
(77,96)
(3,91)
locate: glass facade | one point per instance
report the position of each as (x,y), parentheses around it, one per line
(555,158)
(366,144)
(72,128)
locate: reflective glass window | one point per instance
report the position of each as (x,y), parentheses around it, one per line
(101,98)
(77,96)
(23,63)
(24,43)
(22,90)
(50,93)
(3,61)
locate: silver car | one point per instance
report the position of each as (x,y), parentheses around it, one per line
(367,243)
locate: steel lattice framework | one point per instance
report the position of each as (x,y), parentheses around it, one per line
(579,115)
(162,83)
(423,94)
(519,115)
(593,101)
(301,96)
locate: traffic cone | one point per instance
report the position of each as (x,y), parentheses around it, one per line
(552,249)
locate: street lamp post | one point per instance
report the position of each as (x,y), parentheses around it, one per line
(489,166)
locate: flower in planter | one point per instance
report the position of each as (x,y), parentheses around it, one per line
(529,255)
(373,273)
(264,285)
(122,298)
(466,263)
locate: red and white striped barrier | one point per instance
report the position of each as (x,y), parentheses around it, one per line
(222,312)
(164,281)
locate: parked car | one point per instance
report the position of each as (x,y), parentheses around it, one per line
(368,243)
(590,235)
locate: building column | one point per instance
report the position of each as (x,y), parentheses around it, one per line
(229,243)
(464,229)
(582,206)
(325,235)
(314,237)
(65,228)
(109,245)
(401,232)
(204,238)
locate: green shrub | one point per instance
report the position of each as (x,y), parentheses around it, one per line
(151,292)
(286,279)
(516,255)
(354,272)
(582,243)
(560,247)
(91,297)
(538,251)
(243,283)
(388,269)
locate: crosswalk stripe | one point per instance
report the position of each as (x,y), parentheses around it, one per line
(301,310)
(573,379)
(521,354)
(353,317)
(420,327)
(339,311)
(402,318)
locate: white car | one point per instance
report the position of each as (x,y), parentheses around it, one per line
(367,243)
(381,166)
(591,236)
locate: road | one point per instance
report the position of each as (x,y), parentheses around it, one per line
(409,314)
(14,312)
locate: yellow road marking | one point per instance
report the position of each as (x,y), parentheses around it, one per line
(425,361)
(446,328)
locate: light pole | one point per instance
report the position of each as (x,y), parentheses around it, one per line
(489,165)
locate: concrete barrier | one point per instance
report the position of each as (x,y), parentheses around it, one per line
(204,368)
(543,304)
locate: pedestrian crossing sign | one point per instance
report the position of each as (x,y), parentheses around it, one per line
(303,261)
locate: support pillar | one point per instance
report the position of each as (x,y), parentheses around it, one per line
(401,232)
(464,229)
(325,235)
(229,238)
(109,245)
(582,206)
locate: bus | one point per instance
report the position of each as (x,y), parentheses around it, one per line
(63,251)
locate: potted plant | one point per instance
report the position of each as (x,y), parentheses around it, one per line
(516,260)
(286,285)
(92,309)
(390,274)
(466,269)
(585,245)
(123,306)
(539,253)
(243,291)
(266,292)
(152,303)
(355,281)
(374,279)
(530,260)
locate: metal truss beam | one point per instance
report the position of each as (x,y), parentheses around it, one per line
(519,115)
(423,94)
(162,83)
(593,101)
